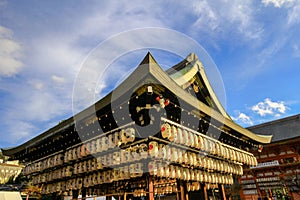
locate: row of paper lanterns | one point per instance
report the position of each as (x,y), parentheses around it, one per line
(107,177)
(157,168)
(136,170)
(165,169)
(183,136)
(116,157)
(141,151)
(101,144)
(270,183)
(61,188)
(64,172)
(49,162)
(100,177)
(183,156)
(268,179)
(176,172)
(96,178)
(128,135)
(167,189)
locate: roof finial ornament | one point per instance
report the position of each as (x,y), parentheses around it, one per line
(192,57)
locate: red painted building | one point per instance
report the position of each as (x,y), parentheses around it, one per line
(277,174)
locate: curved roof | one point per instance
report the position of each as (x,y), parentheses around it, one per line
(186,74)
(172,81)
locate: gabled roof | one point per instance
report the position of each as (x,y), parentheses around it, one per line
(281,129)
(187,70)
(149,68)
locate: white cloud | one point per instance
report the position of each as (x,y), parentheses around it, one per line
(292,7)
(32,105)
(19,131)
(207,16)
(10,53)
(294,14)
(277,3)
(115,17)
(218,18)
(58,79)
(55,57)
(37,84)
(268,107)
(296,51)
(243,118)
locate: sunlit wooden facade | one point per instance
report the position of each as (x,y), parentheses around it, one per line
(158,134)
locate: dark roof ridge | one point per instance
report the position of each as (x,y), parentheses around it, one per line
(276,121)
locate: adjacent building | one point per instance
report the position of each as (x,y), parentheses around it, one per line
(9,170)
(277,174)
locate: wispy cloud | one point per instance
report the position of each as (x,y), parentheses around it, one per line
(269,107)
(294,14)
(10,53)
(292,6)
(57,79)
(53,58)
(218,18)
(296,51)
(278,3)
(19,131)
(275,37)
(30,107)
(243,119)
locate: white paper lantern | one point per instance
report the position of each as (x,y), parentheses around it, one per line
(178,172)
(191,139)
(166,131)
(172,171)
(174,154)
(143,150)
(130,134)
(179,136)
(166,171)
(153,149)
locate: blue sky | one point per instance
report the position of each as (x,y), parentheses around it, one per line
(254,43)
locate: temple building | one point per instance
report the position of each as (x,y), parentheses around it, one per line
(159,134)
(9,170)
(277,174)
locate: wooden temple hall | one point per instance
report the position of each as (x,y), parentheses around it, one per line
(158,135)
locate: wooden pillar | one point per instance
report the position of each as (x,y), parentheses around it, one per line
(83,193)
(178,195)
(186,193)
(204,191)
(75,194)
(257,186)
(150,188)
(178,190)
(222,192)
(182,191)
